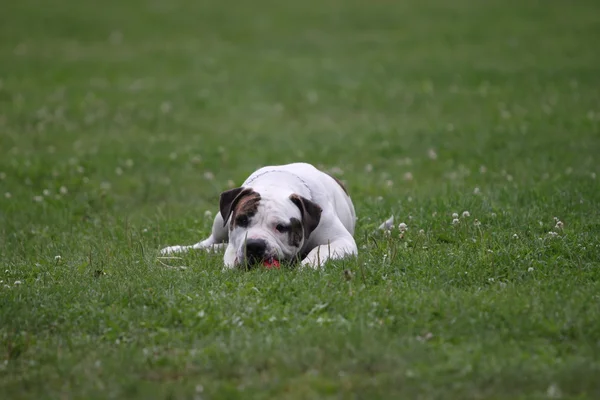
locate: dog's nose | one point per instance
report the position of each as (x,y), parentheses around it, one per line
(255,248)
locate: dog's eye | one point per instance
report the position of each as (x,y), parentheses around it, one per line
(242,221)
(281,228)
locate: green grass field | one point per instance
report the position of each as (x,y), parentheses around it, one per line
(122,121)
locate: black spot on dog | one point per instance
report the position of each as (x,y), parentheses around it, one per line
(310,211)
(296,232)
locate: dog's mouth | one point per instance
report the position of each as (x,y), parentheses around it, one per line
(269,262)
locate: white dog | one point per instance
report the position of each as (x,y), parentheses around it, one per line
(282,214)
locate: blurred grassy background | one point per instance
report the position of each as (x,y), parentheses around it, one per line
(122,121)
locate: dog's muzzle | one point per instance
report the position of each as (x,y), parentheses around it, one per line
(256,249)
(256,252)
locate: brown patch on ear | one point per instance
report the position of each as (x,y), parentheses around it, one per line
(244,209)
(295,233)
(310,211)
(229,200)
(339,183)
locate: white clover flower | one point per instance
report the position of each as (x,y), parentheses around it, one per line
(208,214)
(476,191)
(425,337)
(515,236)
(209,176)
(408,176)
(312,96)
(476,222)
(530,269)
(552,234)
(2,176)
(165,107)
(553,392)
(368,168)
(115,37)
(17,283)
(421,231)
(119,171)
(389,183)
(63,190)
(455,215)
(388,224)
(402,227)
(7,195)
(432,154)
(494,215)
(38,199)
(46,192)
(455,221)
(466,214)
(559,225)
(129,163)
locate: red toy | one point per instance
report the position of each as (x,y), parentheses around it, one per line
(272,263)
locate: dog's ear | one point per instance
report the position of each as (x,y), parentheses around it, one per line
(310,211)
(229,199)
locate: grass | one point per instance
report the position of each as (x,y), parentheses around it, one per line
(121,122)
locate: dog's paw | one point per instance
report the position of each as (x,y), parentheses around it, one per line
(173,249)
(212,248)
(311,263)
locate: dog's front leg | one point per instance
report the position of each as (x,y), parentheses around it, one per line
(337,249)
(229,257)
(216,241)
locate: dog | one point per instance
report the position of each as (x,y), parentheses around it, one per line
(282,214)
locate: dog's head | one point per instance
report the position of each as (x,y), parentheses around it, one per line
(268,226)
